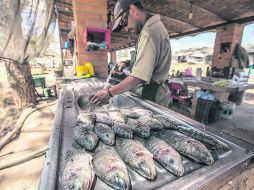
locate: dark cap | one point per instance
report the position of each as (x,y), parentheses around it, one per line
(120,7)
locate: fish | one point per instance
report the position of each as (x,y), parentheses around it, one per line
(78,172)
(208,140)
(143,112)
(166,155)
(152,123)
(187,146)
(166,122)
(138,128)
(87,139)
(137,157)
(130,113)
(86,118)
(117,116)
(122,130)
(105,133)
(104,119)
(111,169)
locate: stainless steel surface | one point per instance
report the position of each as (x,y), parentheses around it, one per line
(196,175)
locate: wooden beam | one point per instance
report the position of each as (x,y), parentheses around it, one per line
(205,10)
(240,21)
(174,19)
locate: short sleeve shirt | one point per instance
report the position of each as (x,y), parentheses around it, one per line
(153,52)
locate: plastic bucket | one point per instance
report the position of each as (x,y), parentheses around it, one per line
(81,70)
(227,109)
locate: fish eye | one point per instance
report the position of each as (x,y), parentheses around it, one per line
(171,161)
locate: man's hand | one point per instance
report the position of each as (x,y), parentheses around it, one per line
(121,65)
(101,97)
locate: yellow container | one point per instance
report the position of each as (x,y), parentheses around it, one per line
(89,67)
(85,70)
(81,70)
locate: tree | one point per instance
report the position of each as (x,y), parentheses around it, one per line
(26,27)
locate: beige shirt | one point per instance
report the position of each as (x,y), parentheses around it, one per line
(153,58)
(153,52)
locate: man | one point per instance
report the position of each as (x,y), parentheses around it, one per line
(153,55)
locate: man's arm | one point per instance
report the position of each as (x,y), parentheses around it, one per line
(102,97)
(127,84)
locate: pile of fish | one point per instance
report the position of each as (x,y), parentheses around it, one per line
(109,140)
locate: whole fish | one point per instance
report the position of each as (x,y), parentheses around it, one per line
(104,119)
(166,155)
(152,123)
(78,172)
(140,130)
(143,112)
(111,169)
(137,157)
(122,130)
(86,118)
(85,138)
(166,122)
(105,133)
(208,140)
(187,146)
(130,113)
(117,116)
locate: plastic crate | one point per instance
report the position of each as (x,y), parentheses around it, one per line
(39,81)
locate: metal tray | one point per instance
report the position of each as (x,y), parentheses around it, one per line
(231,156)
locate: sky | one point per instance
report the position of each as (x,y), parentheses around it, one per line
(208,39)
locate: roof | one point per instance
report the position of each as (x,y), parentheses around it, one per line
(188,17)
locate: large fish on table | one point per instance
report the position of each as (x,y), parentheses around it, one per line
(137,157)
(87,139)
(86,118)
(140,130)
(166,122)
(105,133)
(111,169)
(152,123)
(130,113)
(187,146)
(117,116)
(122,130)
(104,119)
(78,172)
(208,140)
(165,155)
(143,112)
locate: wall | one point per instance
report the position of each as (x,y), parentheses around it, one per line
(90,13)
(232,34)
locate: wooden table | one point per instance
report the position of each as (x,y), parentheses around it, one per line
(220,93)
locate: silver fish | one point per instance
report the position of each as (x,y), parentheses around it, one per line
(122,130)
(152,123)
(105,133)
(166,122)
(130,113)
(166,155)
(137,157)
(208,140)
(143,112)
(138,129)
(86,118)
(85,138)
(78,172)
(104,119)
(111,169)
(117,116)
(187,146)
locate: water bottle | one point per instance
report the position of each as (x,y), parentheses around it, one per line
(198,74)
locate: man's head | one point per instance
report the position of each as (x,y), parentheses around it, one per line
(129,14)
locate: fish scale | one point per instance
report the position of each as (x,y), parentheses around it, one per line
(137,157)
(78,172)
(111,169)
(187,146)
(166,155)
